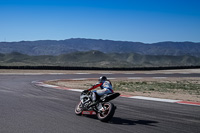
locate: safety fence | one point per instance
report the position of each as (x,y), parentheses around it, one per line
(97,68)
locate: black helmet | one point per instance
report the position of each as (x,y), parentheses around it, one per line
(102,78)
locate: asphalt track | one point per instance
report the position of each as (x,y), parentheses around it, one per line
(27,108)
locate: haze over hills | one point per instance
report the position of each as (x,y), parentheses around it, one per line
(54,47)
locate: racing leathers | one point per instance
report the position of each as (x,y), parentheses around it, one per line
(106,88)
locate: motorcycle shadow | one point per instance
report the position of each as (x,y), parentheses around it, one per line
(120,121)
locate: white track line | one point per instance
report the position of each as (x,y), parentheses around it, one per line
(82,73)
(77,90)
(159,77)
(155,99)
(80,79)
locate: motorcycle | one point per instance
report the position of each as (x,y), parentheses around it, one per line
(103,109)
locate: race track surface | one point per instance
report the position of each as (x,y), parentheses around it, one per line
(27,108)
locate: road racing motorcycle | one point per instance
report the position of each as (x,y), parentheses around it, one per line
(103,109)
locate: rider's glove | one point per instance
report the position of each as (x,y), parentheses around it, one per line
(85,91)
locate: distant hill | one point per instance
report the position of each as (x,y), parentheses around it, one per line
(53,47)
(98,59)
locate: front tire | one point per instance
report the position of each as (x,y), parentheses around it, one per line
(78,109)
(108,113)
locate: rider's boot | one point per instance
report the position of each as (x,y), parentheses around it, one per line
(93,103)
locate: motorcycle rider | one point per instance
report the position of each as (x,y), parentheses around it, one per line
(106,88)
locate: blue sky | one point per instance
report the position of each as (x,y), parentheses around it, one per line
(146,21)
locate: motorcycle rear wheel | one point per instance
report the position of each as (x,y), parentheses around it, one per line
(108,113)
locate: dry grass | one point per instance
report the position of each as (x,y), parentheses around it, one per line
(174,88)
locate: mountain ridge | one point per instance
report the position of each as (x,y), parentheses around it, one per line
(57,47)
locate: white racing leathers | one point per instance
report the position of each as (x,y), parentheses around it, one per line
(106,88)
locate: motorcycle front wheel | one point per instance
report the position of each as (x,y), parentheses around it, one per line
(78,109)
(107,113)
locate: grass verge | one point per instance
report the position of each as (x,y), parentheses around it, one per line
(175,88)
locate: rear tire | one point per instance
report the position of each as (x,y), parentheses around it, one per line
(106,115)
(78,110)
